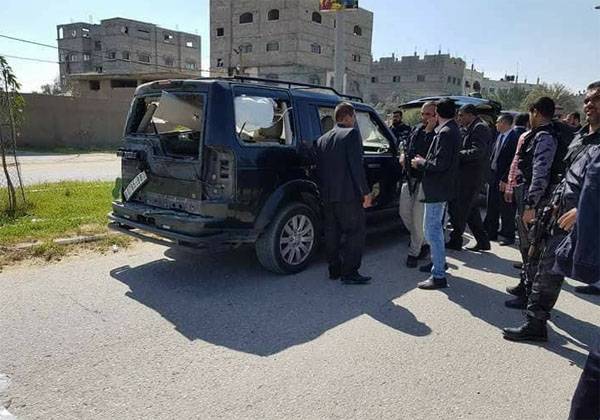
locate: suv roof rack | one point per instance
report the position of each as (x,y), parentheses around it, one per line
(290,85)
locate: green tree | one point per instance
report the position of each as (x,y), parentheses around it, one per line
(510,99)
(561,95)
(11,115)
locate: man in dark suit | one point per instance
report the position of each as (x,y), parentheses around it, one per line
(345,194)
(502,155)
(440,169)
(474,166)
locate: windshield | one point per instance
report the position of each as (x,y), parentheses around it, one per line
(177,119)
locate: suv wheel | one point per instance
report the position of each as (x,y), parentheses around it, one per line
(291,240)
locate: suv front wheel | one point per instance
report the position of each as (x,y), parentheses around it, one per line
(291,240)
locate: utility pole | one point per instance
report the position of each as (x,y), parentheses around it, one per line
(340,52)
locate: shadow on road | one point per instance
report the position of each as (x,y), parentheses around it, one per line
(487,304)
(229,300)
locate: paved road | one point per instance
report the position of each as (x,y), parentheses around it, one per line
(36,169)
(163,334)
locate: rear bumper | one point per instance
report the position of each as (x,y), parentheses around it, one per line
(175,226)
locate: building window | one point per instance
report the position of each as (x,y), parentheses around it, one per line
(125,55)
(273,14)
(144,58)
(315,49)
(169,61)
(420,78)
(97,46)
(356,58)
(62,58)
(74,33)
(467,84)
(143,33)
(73,58)
(316,17)
(94,84)
(220,31)
(167,37)
(246,17)
(273,46)
(99,69)
(123,83)
(357,30)
(373,79)
(61,33)
(220,62)
(124,30)
(85,32)
(454,80)
(396,79)
(458,81)
(449,79)
(111,55)
(189,44)
(190,65)
(246,48)
(87,57)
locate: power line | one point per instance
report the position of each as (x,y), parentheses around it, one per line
(40,44)
(39,60)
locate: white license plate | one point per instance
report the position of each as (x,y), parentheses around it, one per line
(135,184)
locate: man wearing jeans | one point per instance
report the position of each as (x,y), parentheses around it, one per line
(440,171)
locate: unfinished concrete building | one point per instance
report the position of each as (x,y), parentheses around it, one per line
(288,40)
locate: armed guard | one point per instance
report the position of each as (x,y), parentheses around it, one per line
(550,201)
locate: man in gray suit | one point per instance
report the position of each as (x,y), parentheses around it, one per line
(345,194)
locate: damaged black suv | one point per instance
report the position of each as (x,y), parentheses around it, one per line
(230,161)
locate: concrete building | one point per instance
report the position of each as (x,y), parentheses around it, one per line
(488,86)
(395,80)
(288,40)
(125,47)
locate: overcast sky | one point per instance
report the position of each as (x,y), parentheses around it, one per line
(557,40)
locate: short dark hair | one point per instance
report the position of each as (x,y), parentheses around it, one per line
(545,106)
(594,86)
(575,115)
(343,110)
(522,119)
(468,109)
(398,112)
(446,108)
(507,118)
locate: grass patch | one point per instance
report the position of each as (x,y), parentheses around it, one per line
(57,210)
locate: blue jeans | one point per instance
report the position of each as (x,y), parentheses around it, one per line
(433,225)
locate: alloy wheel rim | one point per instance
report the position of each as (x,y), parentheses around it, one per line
(297,239)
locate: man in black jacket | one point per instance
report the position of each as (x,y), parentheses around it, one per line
(502,155)
(440,167)
(401,131)
(345,193)
(474,166)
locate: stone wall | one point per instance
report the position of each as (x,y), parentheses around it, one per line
(64,121)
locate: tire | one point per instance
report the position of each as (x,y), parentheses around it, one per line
(291,240)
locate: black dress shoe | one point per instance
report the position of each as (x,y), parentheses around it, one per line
(518,266)
(454,245)
(356,279)
(494,238)
(588,290)
(518,290)
(480,247)
(425,250)
(433,283)
(517,303)
(427,268)
(507,242)
(335,273)
(412,262)
(532,330)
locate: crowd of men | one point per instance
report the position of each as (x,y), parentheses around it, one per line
(542,180)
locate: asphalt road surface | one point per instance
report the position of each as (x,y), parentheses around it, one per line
(41,168)
(167,334)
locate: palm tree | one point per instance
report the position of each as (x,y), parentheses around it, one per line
(561,95)
(510,99)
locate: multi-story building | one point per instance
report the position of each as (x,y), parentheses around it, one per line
(475,79)
(125,47)
(395,80)
(288,40)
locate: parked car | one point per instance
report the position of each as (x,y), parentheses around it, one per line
(231,161)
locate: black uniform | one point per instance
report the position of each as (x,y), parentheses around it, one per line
(473,169)
(401,132)
(342,184)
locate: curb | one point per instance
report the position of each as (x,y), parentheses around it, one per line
(66,241)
